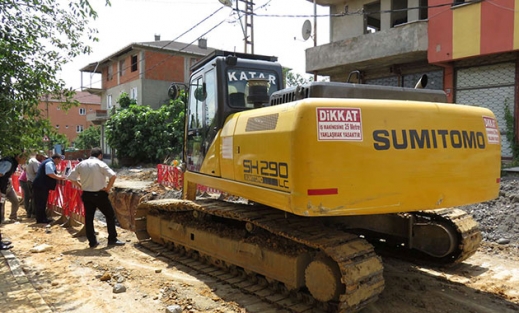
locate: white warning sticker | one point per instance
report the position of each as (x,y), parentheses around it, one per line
(339,124)
(492,130)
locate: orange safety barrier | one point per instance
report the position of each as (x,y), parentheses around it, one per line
(172,176)
(66,198)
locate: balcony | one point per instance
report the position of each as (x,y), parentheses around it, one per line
(99,117)
(406,43)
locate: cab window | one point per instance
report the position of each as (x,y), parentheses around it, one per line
(237,86)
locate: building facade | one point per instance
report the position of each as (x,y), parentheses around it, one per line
(142,70)
(73,121)
(469,49)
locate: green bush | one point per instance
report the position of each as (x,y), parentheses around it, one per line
(89,138)
(146,135)
(510,132)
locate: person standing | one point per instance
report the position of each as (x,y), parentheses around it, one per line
(15,204)
(45,181)
(90,176)
(30,172)
(8,166)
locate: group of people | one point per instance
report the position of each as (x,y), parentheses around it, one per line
(40,176)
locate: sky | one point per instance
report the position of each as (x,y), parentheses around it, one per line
(277,29)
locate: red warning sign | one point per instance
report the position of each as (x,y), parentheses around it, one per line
(339,124)
(492,130)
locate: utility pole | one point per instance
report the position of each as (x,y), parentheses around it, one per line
(248,25)
(315,33)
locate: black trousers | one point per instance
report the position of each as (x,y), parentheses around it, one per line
(40,198)
(98,200)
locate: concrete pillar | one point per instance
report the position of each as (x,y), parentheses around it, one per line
(385,18)
(413,15)
(448,81)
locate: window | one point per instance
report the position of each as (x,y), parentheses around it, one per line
(66,126)
(82,111)
(133,93)
(57,125)
(238,89)
(134,63)
(195,111)
(121,67)
(79,128)
(210,101)
(110,75)
(372,17)
(109,101)
(399,15)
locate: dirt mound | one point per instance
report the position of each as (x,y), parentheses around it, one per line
(137,173)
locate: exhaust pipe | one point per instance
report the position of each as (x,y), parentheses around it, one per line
(422,82)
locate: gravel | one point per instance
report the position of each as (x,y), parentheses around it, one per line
(499,218)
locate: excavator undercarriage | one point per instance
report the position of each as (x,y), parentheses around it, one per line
(326,262)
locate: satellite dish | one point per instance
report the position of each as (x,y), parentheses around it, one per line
(227,3)
(307,29)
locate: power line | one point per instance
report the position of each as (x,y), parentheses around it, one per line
(342,14)
(171,41)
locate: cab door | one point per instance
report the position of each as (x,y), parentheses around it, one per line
(201,118)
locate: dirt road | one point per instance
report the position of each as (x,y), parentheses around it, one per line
(74,278)
(71,278)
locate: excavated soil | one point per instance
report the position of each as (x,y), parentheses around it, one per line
(74,278)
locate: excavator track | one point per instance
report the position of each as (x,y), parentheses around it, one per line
(469,235)
(462,231)
(340,272)
(271,299)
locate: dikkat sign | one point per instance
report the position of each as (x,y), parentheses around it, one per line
(339,124)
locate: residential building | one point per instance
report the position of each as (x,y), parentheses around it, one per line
(73,121)
(468,48)
(143,70)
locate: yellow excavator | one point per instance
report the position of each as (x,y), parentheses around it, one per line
(319,174)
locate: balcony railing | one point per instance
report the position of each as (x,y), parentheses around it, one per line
(98,117)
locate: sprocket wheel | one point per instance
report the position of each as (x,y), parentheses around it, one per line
(323,279)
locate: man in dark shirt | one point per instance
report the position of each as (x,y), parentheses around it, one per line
(46,179)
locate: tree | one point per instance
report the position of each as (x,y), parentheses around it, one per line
(89,138)
(293,80)
(37,37)
(125,101)
(56,138)
(146,135)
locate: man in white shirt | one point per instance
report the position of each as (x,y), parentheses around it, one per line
(90,176)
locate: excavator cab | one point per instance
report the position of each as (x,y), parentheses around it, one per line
(220,88)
